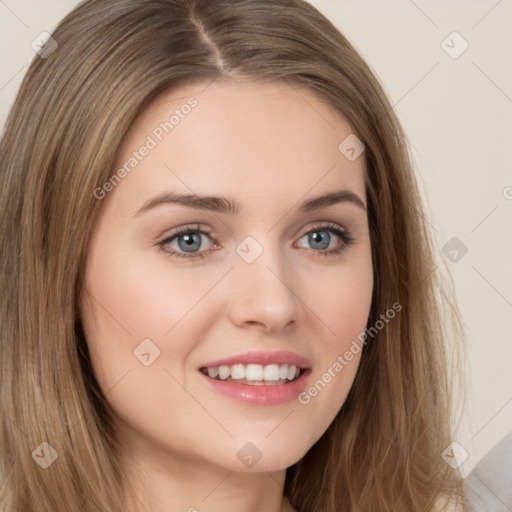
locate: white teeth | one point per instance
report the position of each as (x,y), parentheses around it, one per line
(213,372)
(255,372)
(238,371)
(224,372)
(292,370)
(271,372)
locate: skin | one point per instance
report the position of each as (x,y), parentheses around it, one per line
(270,147)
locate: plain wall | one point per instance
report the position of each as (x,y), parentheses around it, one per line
(457,113)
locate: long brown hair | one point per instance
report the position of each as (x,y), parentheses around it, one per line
(383,451)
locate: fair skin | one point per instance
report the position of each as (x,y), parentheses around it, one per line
(270,149)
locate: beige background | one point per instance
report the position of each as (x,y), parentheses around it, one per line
(457,113)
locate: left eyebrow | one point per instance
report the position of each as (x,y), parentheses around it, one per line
(325,200)
(230,206)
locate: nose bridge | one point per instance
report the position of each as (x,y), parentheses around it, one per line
(264,284)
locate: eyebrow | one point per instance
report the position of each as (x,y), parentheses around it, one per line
(230,206)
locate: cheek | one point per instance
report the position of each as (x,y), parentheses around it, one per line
(126,312)
(342,307)
(140,296)
(343,303)
(131,300)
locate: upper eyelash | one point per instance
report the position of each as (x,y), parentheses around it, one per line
(343,234)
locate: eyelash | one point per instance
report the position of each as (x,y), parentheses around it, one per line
(344,235)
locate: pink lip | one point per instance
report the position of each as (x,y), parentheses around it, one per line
(263,358)
(264,394)
(260,395)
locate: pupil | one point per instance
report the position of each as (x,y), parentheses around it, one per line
(316,238)
(190,240)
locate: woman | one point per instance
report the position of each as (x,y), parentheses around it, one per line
(139,373)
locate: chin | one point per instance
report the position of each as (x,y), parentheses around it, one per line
(274,453)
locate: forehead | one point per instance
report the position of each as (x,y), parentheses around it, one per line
(245,137)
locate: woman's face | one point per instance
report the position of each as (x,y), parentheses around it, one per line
(269,285)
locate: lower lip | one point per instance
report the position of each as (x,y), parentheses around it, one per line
(262,395)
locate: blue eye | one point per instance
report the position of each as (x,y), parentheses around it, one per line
(189,241)
(320,238)
(322,242)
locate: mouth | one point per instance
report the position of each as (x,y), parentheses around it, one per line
(258,378)
(255,374)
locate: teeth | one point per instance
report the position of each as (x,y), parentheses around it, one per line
(224,372)
(213,372)
(291,372)
(238,371)
(254,372)
(271,372)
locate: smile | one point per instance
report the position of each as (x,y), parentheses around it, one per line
(254,374)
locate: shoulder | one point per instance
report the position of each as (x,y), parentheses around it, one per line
(489,485)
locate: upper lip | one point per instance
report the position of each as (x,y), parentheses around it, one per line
(263,358)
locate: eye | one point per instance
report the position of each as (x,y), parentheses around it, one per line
(320,238)
(188,241)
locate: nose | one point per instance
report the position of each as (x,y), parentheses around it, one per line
(263,294)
